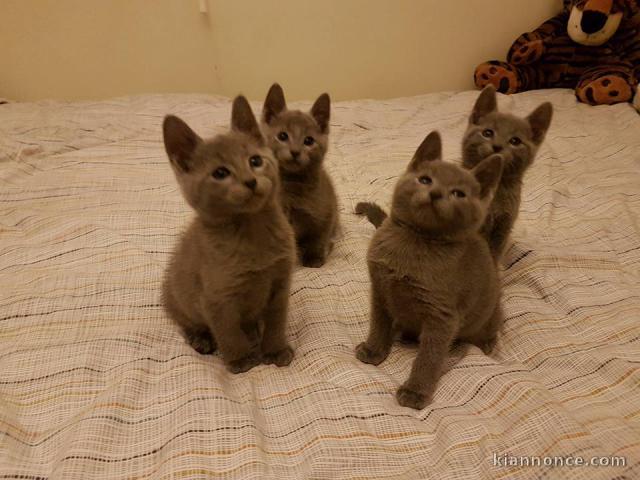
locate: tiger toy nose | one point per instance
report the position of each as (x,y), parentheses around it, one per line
(251,184)
(592,21)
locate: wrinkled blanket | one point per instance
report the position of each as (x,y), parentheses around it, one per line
(96,382)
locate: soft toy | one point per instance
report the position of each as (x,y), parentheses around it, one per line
(592,46)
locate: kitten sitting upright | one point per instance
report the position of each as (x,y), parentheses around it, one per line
(227,284)
(299,142)
(490,131)
(517,140)
(432,275)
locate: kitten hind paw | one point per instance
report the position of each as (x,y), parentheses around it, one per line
(411,399)
(280,358)
(243,364)
(367,355)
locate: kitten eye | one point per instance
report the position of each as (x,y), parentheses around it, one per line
(458,193)
(308,141)
(488,133)
(515,141)
(256,161)
(283,136)
(425,180)
(221,173)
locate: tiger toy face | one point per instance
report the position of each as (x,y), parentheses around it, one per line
(594,22)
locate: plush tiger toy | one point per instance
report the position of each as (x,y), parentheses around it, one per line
(592,46)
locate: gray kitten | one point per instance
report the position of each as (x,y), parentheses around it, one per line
(227,284)
(517,140)
(489,132)
(299,142)
(431,272)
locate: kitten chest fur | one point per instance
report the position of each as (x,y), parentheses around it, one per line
(444,277)
(229,264)
(309,202)
(505,206)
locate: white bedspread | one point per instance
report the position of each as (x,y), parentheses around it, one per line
(96,383)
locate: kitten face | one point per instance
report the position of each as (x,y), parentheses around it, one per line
(298,140)
(439,197)
(516,139)
(229,174)
(501,133)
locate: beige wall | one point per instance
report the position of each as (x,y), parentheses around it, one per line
(78,49)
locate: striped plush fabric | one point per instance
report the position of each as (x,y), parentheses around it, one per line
(96,383)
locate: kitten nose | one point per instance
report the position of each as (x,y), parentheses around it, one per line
(435,195)
(497,148)
(295,154)
(251,183)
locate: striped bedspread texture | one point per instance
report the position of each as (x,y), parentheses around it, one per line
(97,383)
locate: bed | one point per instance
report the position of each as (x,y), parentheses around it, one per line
(96,382)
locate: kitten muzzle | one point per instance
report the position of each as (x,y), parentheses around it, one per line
(294,164)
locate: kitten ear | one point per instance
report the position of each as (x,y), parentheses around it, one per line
(540,120)
(274,104)
(243,120)
(488,173)
(429,150)
(179,141)
(485,104)
(321,111)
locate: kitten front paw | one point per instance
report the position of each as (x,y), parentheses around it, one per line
(488,346)
(410,398)
(367,355)
(202,343)
(243,364)
(281,358)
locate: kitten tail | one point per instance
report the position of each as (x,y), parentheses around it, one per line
(374,213)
